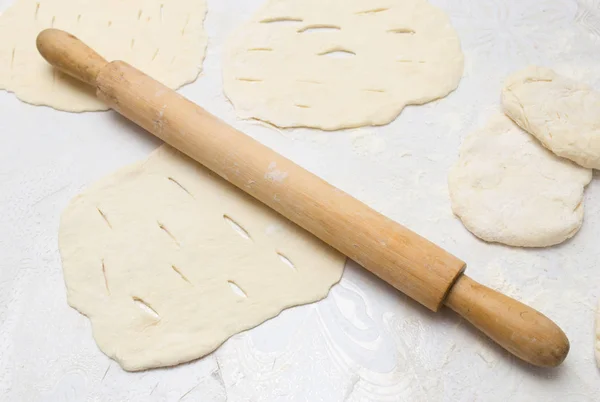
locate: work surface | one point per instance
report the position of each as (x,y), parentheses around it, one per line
(365,342)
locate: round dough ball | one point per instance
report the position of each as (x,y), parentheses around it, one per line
(340,64)
(507,188)
(563,114)
(164,39)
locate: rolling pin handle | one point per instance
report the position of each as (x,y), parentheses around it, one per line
(409,262)
(517,327)
(70,55)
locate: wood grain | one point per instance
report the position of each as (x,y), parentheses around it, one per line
(518,328)
(400,257)
(70,55)
(407,261)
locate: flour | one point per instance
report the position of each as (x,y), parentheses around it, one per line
(561,113)
(507,188)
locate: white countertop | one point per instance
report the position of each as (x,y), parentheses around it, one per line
(365,342)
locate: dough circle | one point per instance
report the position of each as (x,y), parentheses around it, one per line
(509,189)
(340,64)
(168,261)
(563,114)
(165,39)
(597,337)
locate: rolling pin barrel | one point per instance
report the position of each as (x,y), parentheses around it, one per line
(408,262)
(405,260)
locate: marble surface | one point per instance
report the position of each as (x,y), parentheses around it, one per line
(365,342)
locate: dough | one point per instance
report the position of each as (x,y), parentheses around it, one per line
(507,188)
(333,64)
(597,333)
(563,114)
(165,39)
(168,261)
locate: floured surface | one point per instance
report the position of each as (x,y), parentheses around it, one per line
(597,336)
(507,188)
(164,39)
(562,113)
(338,64)
(365,342)
(168,261)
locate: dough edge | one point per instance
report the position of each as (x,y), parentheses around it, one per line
(80,301)
(472,223)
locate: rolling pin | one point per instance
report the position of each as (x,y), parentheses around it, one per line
(405,260)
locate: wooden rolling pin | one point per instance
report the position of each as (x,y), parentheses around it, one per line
(400,257)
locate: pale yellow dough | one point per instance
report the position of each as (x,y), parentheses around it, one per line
(597,336)
(165,39)
(168,261)
(334,64)
(507,188)
(564,115)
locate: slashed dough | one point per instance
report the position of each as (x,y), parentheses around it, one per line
(507,188)
(168,261)
(563,114)
(334,64)
(165,39)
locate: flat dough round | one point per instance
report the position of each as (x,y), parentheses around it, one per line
(165,39)
(339,64)
(563,114)
(597,337)
(509,189)
(168,261)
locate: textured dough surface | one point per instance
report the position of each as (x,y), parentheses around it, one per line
(281,67)
(210,261)
(563,114)
(597,337)
(165,39)
(507,188)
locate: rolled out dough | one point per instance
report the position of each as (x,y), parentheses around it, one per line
(563,114)
(507,188)
(597,337)
(333,64)
(165,39)
(168,261)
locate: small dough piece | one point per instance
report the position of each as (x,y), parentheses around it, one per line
(597,340)
(563,114)
(168,261)
(509,189)
(334,64)
(165,39)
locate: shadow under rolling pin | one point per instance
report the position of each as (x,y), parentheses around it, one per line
(407,261)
